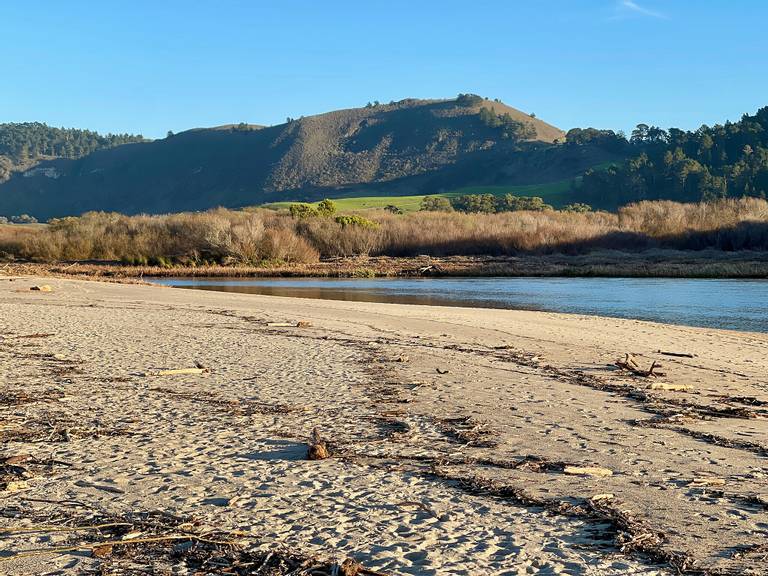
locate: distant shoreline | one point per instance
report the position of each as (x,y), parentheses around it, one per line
(609,264)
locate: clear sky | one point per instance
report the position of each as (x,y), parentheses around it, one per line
(152,66)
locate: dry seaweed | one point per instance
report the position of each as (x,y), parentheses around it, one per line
(157,542)
(468,432)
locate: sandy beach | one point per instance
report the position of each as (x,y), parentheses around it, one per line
(463,441)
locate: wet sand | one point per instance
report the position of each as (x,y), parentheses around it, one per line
(455,431)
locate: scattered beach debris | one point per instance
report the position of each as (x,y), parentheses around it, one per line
(469,432)
(55,427)
(41,288)
(677,354)
(442,371)
(158,542)
(16,471)
(17,398)
(630,365)
(587,471)
(318,448)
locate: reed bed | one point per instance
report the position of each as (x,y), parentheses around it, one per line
(265,238)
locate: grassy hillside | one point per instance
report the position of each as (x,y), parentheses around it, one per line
(408,147)
(556,193)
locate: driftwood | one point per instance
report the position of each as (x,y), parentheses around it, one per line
(41,288)
(629,364)
(300,324)
(587,471)
(670,387)
(677,354)
(705,481)
(176,371)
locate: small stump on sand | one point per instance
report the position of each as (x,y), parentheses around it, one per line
(350,567)
(318,448)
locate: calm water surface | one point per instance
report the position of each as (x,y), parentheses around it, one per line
(733,304)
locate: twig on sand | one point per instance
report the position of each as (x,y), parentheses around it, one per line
(421,506)
(299,324)
(677,354)
(176,371)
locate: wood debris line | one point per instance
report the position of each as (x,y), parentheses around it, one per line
(672,423)
(53,427)
(631,534)
(17,398)
(156,542)
(17,471)
(468,432)
(630,365)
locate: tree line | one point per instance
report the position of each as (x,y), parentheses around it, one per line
(492,204)
(24,143)
(722,161)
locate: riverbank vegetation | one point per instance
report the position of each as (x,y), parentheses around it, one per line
(266,238)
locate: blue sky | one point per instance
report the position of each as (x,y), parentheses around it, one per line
(152,66)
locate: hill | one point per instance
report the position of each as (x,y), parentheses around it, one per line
(25,144)
(410,147)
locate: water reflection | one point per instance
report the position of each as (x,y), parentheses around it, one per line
(734,304)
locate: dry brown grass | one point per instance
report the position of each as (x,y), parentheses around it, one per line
(13,237)
(262,237)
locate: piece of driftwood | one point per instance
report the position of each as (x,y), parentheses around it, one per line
(441,371)
(599,497)
(176,371)
(587,471)
(300,324)
(677,354)
(41,288)
(630,365)
(704,481)
(670,387)
(349,567)
(318,448)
